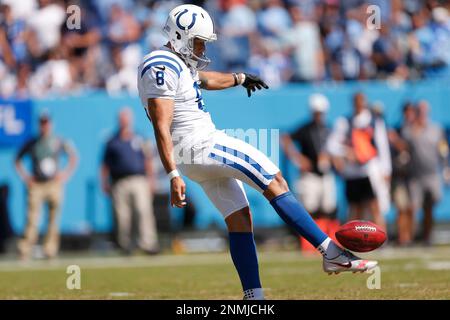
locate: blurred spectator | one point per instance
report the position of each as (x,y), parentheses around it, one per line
(16,68)
(441,26)
(22,85)
(380,172)
(45,25)
(151,18)
(387,56)
(346,62)
(8,81)
(238,28)
(274,19)
(12,37)
(429,153)
(54,76)
(271,65)
(360,150)
(21,9)
(125,62)
(290,40)
(430,42)
(123,33)
(82,47)
(308,8)
(45,185)
(401,176)
(304,41)
(103,7)
(361,36)
(316,187)
(127,175)
(123,29)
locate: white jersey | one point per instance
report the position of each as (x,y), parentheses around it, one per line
(162,74)
(217,162)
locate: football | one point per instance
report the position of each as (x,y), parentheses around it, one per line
(360,236)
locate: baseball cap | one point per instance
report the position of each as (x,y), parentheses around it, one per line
(318,103)
(44,115)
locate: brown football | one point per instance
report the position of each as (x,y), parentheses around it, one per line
(360,236)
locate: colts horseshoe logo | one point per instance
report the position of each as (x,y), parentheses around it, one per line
(194,15)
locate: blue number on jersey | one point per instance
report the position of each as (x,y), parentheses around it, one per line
(201,104)
(159,78)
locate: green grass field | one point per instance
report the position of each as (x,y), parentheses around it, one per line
(420,273)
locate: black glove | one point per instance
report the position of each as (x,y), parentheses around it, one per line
(252,82)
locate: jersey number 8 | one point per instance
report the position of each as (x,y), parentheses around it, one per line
(159,78)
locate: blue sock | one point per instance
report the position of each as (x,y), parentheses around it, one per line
(293,213)
(243,253)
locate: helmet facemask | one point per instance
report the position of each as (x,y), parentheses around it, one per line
(193,60)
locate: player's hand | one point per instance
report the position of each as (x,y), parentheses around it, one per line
(177,190)
(252,82)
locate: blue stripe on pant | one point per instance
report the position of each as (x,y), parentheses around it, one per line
(239,167)
(246,158)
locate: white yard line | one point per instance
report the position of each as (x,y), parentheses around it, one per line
(169,260)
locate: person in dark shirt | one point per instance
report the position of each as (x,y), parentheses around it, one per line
(387,56)
(45,184)
(81,46)
(126,175)
(316,187)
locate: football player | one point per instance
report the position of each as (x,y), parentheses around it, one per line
(170,82)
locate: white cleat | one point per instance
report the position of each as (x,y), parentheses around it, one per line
(347,261)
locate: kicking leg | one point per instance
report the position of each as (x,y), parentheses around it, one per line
(294,214)
(242,161)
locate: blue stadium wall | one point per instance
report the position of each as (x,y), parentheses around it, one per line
(88,120)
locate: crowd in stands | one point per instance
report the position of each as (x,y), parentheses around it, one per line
(281,41)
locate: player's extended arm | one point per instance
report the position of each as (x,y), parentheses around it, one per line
(211,80)
(161,114)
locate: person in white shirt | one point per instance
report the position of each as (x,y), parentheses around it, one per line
(360,150)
